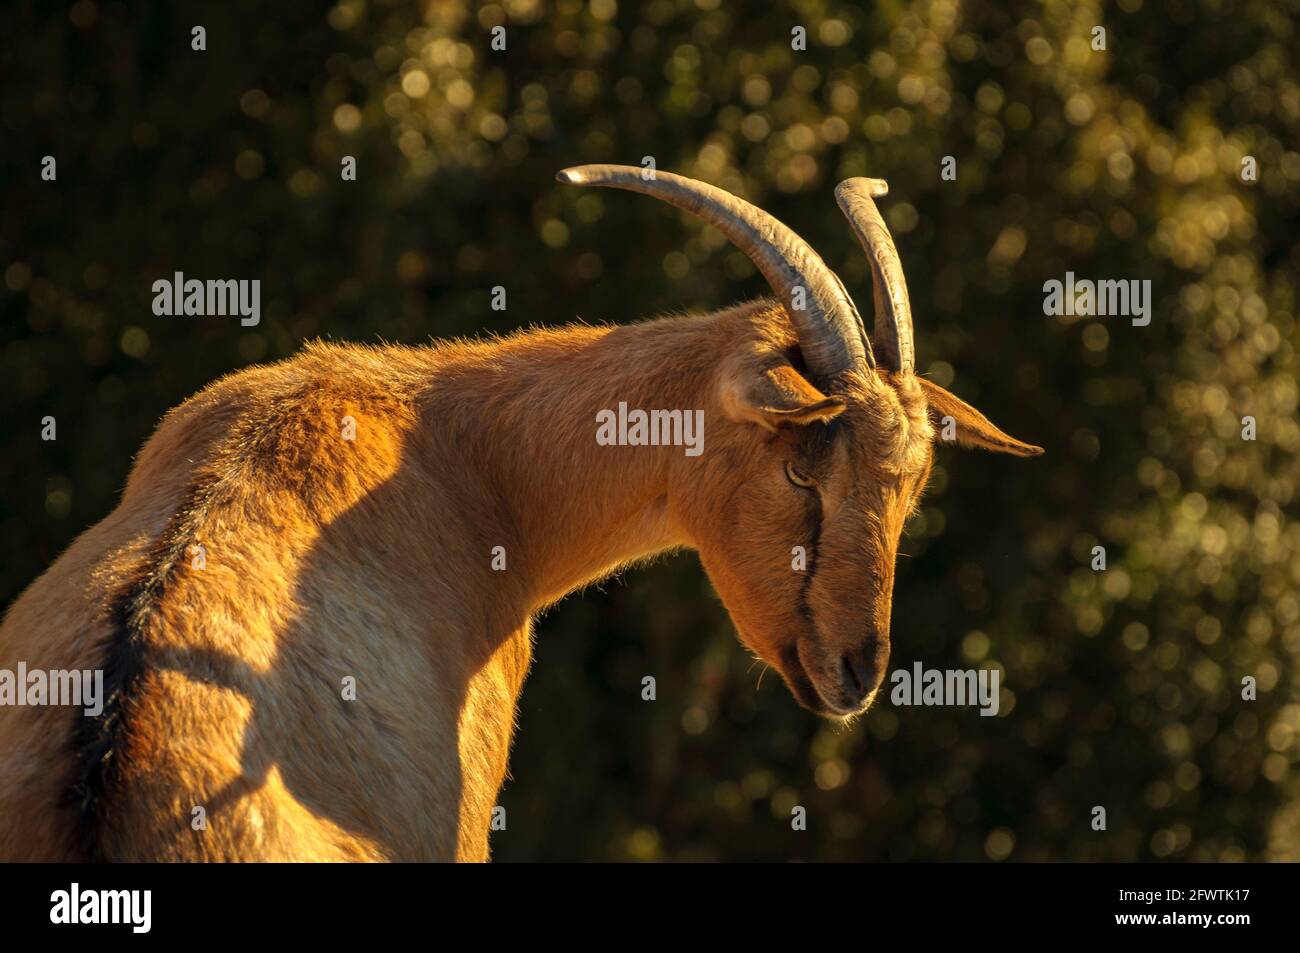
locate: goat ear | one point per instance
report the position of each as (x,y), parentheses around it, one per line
(777,395)
(973,429)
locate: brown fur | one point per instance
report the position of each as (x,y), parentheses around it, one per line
(371,558)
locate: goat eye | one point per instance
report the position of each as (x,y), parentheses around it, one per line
(797,478)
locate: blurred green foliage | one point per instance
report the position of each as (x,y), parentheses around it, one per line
(1121,688)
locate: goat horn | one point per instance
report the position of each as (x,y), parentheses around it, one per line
(828,324)
(856,198)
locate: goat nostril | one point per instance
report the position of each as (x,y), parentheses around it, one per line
(850,677)
(857,674)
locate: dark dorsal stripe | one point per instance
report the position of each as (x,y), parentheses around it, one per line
(98,741)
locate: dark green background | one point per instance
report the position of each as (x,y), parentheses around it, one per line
(1124,686)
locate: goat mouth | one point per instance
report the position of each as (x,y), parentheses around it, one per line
(803,687)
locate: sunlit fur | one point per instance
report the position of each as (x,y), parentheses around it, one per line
(372,559)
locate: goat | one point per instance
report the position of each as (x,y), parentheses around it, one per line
(313,639)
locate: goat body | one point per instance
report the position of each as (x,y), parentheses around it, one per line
(326,559)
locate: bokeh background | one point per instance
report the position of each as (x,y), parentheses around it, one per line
(1122,688)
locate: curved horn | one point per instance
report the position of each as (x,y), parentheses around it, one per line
(856,198)
(828,324)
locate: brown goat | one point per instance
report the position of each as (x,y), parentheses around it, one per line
(389,521)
